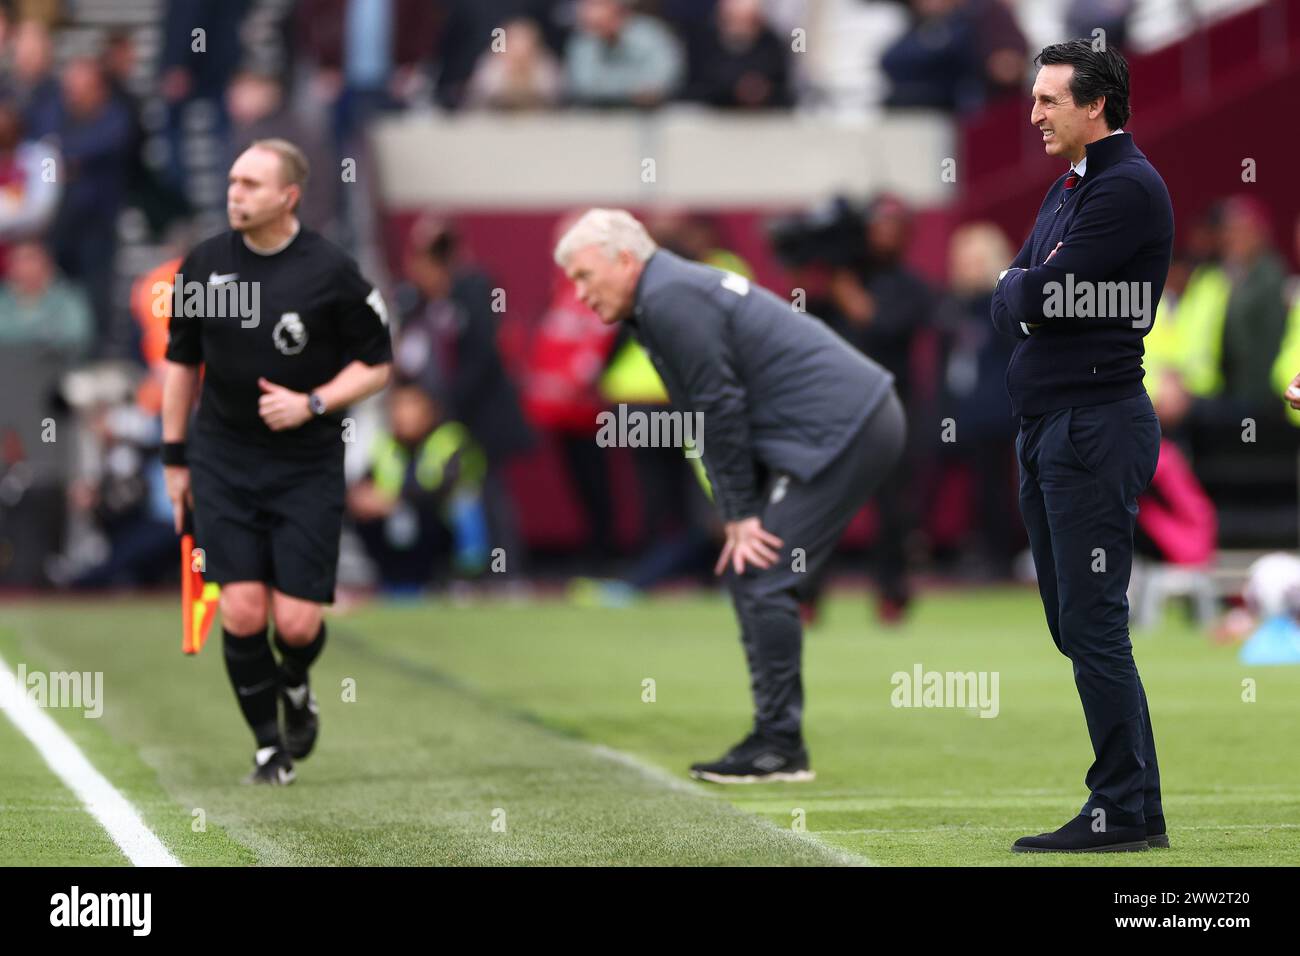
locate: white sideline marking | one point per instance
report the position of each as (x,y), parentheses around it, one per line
(100,798)
(664,778)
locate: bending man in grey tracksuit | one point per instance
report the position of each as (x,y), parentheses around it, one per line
(798,430)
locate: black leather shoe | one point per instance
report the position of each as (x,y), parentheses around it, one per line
(1157,838)
(1078,836)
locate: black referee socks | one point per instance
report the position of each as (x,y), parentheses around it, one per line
(253,674)
(294,661)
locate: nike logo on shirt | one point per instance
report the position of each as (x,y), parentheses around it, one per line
(214,279)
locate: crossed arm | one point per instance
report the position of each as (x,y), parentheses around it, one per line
(1103,236)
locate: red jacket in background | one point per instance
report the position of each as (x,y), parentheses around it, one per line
(568,354)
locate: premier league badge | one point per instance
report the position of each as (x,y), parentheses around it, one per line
(290,334)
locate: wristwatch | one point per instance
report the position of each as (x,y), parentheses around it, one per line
(316,404)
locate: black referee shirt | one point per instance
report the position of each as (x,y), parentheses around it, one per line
(296,317)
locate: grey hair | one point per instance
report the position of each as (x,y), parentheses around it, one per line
(613,230)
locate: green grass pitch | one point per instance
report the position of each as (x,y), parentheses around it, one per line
(522,733)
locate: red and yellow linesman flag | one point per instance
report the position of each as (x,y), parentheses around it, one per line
(198,597)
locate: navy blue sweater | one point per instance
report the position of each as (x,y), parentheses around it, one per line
(1080,330)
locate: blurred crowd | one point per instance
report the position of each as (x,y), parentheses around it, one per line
(90,129)
(93,136)
(735,54)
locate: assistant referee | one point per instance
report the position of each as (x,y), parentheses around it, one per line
(277,332)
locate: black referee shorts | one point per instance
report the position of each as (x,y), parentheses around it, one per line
(259,517)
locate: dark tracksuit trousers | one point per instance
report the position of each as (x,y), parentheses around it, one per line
(808,516)
(1081,471)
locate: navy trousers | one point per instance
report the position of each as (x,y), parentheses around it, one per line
(1081,471)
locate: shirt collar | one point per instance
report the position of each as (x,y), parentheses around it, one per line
(1082,166)
(297,227)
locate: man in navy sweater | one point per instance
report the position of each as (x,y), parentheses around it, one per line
(1080,296)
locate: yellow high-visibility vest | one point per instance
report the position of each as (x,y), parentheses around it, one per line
(389,460)
(631,378)
(1160,348)
(1287,364)
(1199,327)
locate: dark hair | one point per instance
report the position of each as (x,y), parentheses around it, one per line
(441,246)
(1097,73)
